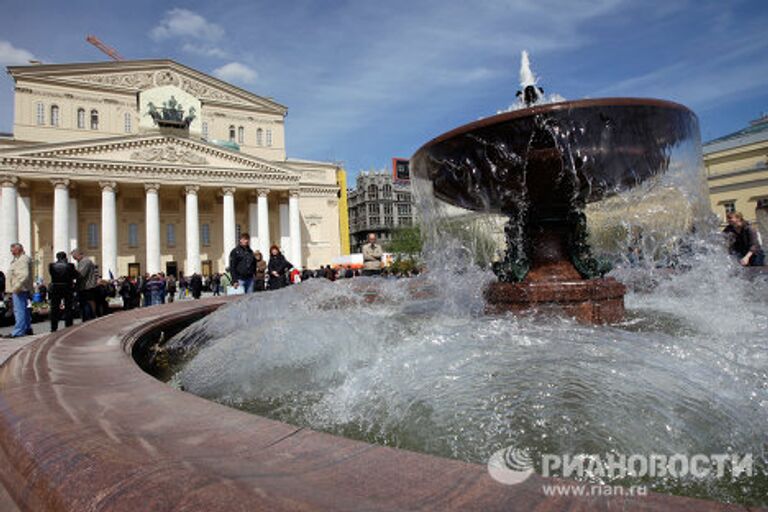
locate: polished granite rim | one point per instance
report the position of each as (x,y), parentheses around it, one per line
(82,428)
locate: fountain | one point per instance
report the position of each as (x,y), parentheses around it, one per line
(540,165)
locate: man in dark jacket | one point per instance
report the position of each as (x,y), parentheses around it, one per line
(2,284)
(242,264)
(196,285)
(64,275)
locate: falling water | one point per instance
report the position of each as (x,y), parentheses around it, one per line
(422,368)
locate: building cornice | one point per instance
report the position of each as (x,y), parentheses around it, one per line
(136,75)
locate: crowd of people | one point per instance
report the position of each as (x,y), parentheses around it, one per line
(76,289)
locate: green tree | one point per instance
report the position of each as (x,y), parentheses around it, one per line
(406,242)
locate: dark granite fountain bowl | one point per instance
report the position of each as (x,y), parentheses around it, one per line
(541,166)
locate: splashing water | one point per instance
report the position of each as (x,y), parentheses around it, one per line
(528,77)
(422,368)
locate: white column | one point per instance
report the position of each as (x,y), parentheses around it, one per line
(295,228)
(263,223)
(24,213)
(192,232)
(60,215)
(152,226)
(229,226)
(253,222)
(73,225)
(9,227)
(108,230)
(285,230)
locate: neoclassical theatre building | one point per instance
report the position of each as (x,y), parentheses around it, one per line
(152,166)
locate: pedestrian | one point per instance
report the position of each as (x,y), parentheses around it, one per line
(154,291)
(744,241)
(260,284)
(2,284)
(182,286)
(63,281)
(196,285)
(128,293)
(372,254)
(242,263)
(278,267)
(216,284)
(170,287)
(20,282)
(86,285)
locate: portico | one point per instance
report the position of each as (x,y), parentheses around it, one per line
(152,203)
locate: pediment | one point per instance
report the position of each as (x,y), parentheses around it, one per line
(136,76)
(163,150)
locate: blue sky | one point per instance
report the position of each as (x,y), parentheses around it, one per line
(367,80)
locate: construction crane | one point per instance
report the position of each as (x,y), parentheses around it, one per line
(95,41)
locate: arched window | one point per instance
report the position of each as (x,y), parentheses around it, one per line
(387,191)
(94,119)
(269,138)
(259,137)
(81,118)
(373,192)
(40,114)
(240,135)
(205,130)
(127,122)
(232,133)
(54,115)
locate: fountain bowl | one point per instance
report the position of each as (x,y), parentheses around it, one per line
(540,166)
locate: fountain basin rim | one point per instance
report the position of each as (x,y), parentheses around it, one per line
(552,107)
(83,428)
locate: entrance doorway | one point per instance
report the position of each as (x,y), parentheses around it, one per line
(172,269)
(134,270)
(207,268)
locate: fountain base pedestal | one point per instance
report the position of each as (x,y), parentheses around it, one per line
(589,301)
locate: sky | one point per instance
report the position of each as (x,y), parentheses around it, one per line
(368,80)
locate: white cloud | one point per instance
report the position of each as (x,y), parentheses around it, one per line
(12,56)
(205,50)
(186,24)
(236,72)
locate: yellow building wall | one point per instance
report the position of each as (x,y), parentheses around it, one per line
(341,179)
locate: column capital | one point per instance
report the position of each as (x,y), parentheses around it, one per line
(62,183)
(108,186)
(8,180)
(228,191)
(191,189)
(152,187)
(294,192)
(263,192)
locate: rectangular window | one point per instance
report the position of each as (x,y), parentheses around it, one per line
(387,209)
(240,135)
(373,209)
(93,235)
(374,221)
(730,207)
(205,131)
(80,118)
(388,221)
(170,235)
(40,114)
(133,235)
(127,122)
(762,203)
(269,138)
(205,234)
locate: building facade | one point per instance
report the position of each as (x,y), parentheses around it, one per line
(737,173)
(378,204)
(152,166)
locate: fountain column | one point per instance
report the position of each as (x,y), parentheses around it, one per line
(108,230)
(229,225)
(60,215)
(294,223)
(263,221)
(153,227)
(192,231)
